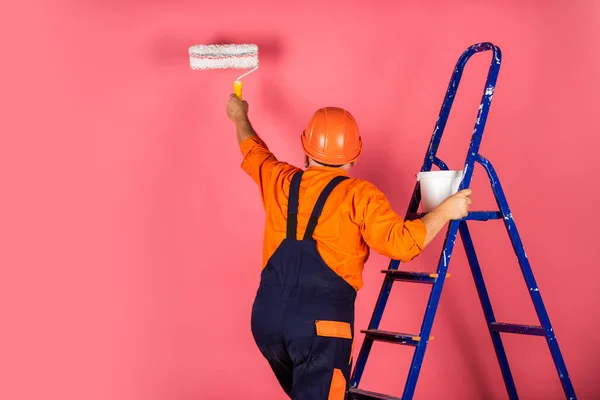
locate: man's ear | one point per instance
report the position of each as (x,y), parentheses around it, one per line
(306,161)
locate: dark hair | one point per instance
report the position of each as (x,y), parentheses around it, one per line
(328,165)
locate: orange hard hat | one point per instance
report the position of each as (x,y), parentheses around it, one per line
(331,137)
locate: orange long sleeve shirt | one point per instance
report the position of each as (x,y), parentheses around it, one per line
(357,216)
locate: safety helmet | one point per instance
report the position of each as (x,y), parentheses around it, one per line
(331,137)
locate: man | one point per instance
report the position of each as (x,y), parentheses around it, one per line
(320,227)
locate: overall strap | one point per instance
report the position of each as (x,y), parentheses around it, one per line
(292,217)
(316,213)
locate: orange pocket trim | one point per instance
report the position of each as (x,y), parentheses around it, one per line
(337,390)
(334,329)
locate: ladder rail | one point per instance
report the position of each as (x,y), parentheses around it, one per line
(430,311)
(440,125)
(529,278)
(486,305)
(431,158)
(380,304)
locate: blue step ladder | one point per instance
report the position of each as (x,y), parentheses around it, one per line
(420,341)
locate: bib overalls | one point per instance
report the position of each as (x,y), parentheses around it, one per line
(303,314)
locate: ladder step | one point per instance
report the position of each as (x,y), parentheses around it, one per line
(359,394)
(406,276)
(516,328)
(393,337)
(473,215)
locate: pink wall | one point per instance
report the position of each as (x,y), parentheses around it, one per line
(130,258)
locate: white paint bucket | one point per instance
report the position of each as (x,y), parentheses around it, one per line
(437,186)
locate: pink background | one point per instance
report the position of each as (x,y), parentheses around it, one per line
(131,239)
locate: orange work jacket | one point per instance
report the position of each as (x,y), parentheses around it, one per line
(357,216)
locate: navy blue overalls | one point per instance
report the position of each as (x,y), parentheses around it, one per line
(303,314)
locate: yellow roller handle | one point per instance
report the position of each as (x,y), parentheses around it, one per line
(237,88)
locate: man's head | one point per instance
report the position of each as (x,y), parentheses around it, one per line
(331,139)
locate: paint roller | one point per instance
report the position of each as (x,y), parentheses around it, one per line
(225,56)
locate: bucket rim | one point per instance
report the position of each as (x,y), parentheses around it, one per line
(440,174)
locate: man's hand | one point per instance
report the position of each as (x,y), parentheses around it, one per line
(456,206)
(237,109)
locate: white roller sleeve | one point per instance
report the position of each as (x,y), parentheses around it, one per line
(238,56)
